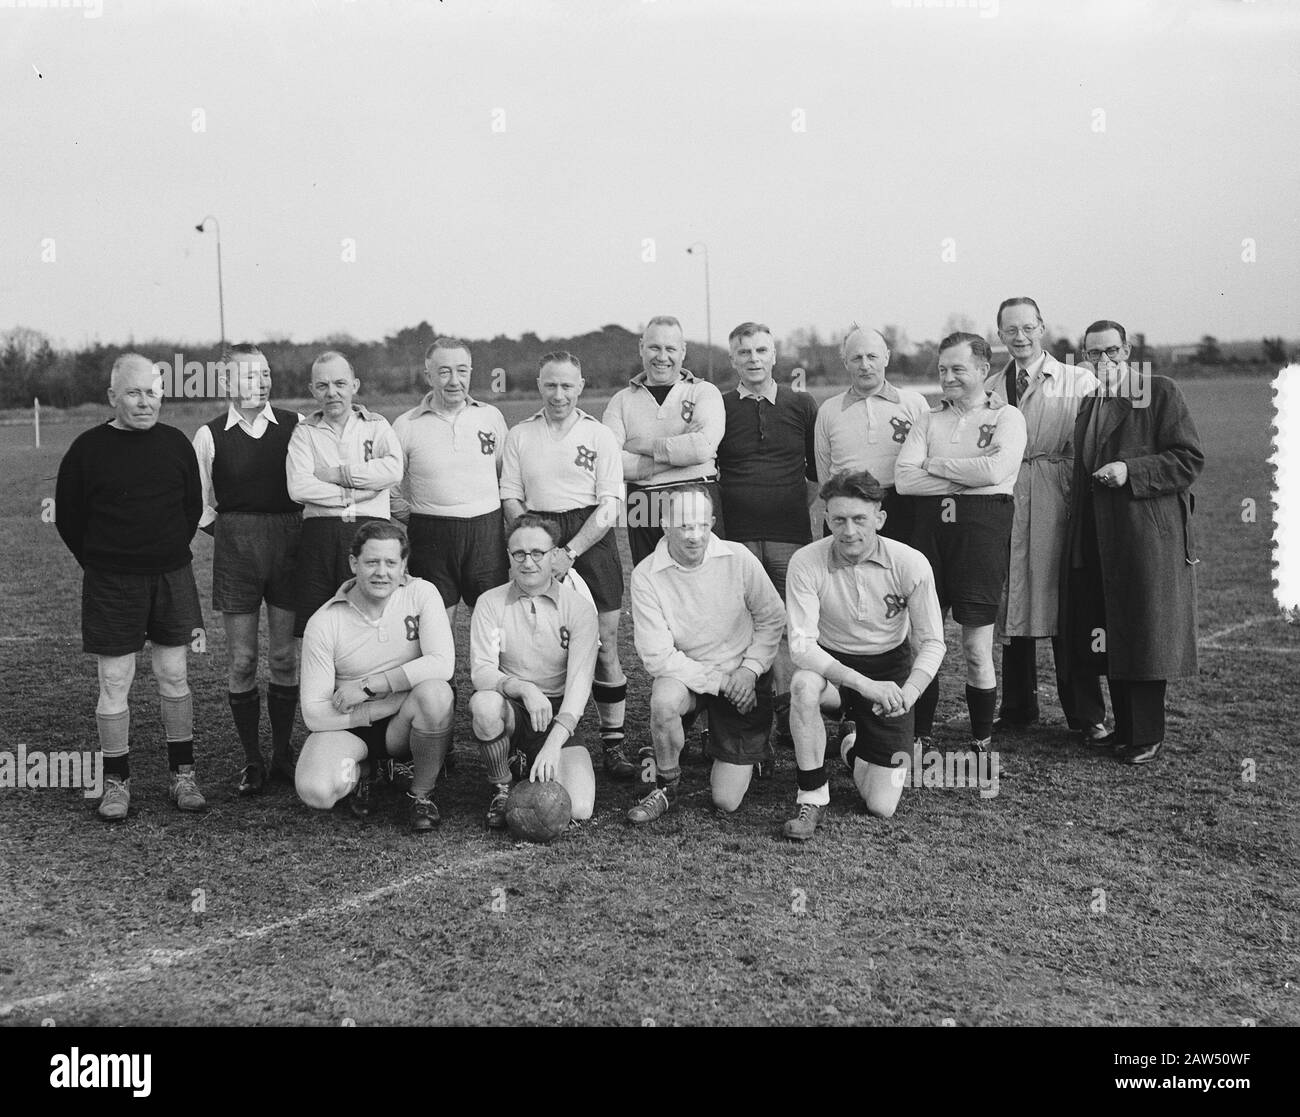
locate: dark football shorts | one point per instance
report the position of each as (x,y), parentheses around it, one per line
(968,543)
(525,738)
(878,738)
(253,560)
(600,566)
(644,512)
(373,736)
(462,557)
(119,612)
(736,738)
(775,557)
(323,552)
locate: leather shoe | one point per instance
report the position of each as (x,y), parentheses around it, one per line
(1013,726)
(1096,736)
(1138,754)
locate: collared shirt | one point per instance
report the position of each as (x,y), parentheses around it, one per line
(947,451)
(450,462)
(548,639)
(577,470)
(205,450)
(865,432)
(1049,404)
(680,455)
(698,624)
(367,451)
(410,643)
(768,393)
(863,608)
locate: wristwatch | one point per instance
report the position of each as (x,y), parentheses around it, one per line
(573,555)
(366,690)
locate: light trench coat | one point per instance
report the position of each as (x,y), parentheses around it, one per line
(1042,494)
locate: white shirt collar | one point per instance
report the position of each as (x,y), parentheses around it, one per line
(662,558)
(234,416)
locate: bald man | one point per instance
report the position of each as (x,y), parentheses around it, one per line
(865,427)
(127,503)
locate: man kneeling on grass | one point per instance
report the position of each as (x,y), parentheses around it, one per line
(376,663)
(859,604)
(707,623)
(533,646)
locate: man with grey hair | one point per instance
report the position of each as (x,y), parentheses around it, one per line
(865,427)
(342,461)
(1047,393)
(668,424)
(127,503)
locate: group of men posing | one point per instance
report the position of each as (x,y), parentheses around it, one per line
(1036,501)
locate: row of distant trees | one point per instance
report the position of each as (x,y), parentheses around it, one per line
(30,366)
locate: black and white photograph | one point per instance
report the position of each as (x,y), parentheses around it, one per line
(650,513)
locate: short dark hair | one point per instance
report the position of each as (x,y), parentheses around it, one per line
(748,329)
(1019,300)
(380,529)
(445,343)
(855,483)
(250,348)
(1103,324)
(540,523)
(559,357)
(979,348)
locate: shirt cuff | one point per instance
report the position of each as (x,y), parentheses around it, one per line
(397,680)
(360,717)
(569,722)
(753,665)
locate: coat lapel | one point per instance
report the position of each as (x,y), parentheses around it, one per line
(1117,410)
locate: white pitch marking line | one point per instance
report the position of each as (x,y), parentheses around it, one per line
(1213,637)
(162,959)
(1277,649)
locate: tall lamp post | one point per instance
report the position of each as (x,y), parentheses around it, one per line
(708,305)
(221,295)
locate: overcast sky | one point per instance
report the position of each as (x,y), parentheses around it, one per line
(504,166)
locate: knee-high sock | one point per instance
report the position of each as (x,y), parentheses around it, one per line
(246,712)
(428,750)
(925,707)
(611,707)
(281,702)
(178,728)
(115,742)
(496,757)
(981,704)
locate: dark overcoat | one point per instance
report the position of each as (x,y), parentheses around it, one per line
(1144,529)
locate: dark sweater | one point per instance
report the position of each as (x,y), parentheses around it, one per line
(248,473)
(763,479)
(129,501)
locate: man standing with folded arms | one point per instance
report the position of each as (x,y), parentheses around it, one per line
(668,424)
(565,466)
(961,460)
(864,427)
(342,461)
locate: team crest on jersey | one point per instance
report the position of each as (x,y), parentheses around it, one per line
(369,448)
(987,431)
(901,428)
(688,410)
(586,459)
(487,442)
(895,603)
(564,637)
(412,627)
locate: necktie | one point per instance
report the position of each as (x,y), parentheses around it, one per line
(1022,383)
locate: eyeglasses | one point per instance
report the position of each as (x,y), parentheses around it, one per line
(536,556)
(1112,353)
(1018,331)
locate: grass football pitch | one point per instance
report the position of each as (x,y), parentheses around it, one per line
(1084,892)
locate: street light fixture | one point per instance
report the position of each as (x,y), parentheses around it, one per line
(708,305)
(221,295)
